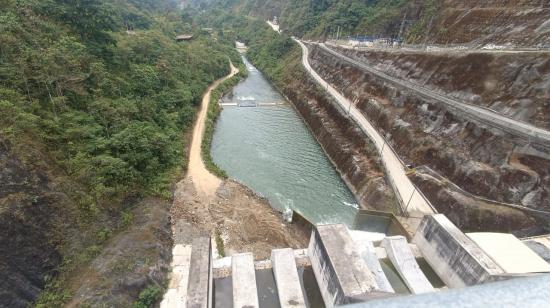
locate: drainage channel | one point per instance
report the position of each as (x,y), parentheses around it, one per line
(267,289)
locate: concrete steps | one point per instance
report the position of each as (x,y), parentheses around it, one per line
(199,289)
(367,251)
(245,293)
(286,277)
(176,295)
(404,261)
(346,270)
(346,266)
(342,275)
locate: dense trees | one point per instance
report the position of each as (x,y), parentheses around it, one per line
(321,18)
(109,104)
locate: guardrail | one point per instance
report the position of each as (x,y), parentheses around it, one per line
(373,45)
(486,117)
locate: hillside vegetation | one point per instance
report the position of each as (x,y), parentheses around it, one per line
(95,96)
(518,23)
(322,18)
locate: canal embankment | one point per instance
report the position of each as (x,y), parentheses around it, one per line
(261,141)
(350,151)
(205,204)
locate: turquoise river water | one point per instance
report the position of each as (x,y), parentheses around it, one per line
(269,149)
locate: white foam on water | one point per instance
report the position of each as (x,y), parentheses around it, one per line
(350,204)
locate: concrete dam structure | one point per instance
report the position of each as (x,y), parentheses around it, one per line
(347,267)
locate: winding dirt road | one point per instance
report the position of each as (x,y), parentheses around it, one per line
(205,182)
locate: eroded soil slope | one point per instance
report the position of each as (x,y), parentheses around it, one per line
(235,214)
(33,215)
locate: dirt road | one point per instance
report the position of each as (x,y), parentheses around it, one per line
(205,182)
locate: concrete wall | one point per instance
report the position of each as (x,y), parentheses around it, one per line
(199,289)
(457,260)
(342,275)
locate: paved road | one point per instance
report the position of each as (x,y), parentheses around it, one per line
(410,199)
(482,115)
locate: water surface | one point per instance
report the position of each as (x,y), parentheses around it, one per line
(270,149)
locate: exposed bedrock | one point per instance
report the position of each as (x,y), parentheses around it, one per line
(44,233)
(516,85)
(345,144)
(27,234)
(481,161)
(501,22)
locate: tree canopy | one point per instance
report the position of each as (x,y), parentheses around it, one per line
(104,86)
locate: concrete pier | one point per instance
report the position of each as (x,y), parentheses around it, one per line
(245,293)
(403,259)
(199,290)
(367,251)
(176,295)
(342,275)
(286,278)
(457,260)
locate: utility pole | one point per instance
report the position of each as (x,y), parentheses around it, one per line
(407,206)
(428,33)
(402,28)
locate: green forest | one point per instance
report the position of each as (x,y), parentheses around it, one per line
(319,19)
(267,49)
(104,87)
(96,98)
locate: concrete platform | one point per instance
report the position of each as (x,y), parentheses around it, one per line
(199,290)
(176,295)
(510,253)
(342,275)
(286,278)
(540,245)
(245,293)
(456,259)
(367,251)
(403,259)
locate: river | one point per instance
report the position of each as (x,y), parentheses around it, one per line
(270,149)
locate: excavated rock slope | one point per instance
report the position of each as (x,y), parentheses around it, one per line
(481,162)
(500,22)
(516,85)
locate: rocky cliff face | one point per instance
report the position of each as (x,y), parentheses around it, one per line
(43,228)
(345,144)
(517,86)
(480,161)
(32,213)
(500,22)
